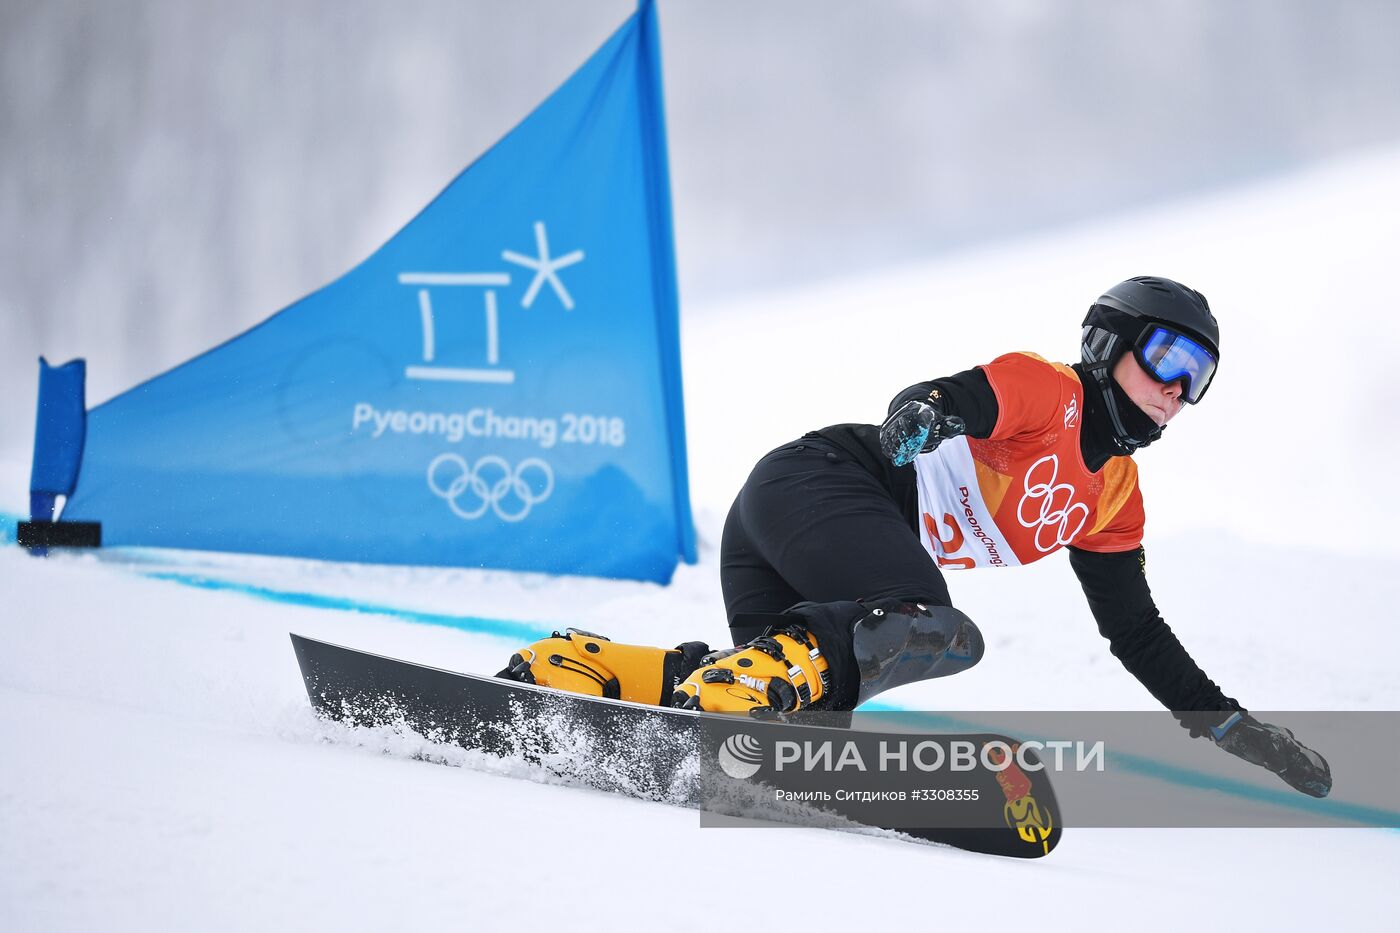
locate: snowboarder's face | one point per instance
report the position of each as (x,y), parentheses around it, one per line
(1160,402)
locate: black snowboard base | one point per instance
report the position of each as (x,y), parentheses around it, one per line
(774,771)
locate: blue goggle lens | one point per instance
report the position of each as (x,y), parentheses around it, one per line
(1170,356)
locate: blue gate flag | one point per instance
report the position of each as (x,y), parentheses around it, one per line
(497,386)
(60,427)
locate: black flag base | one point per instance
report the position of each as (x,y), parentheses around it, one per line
(35,535)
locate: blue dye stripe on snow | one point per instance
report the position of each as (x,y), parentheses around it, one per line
(501,627)
(520,631)
(1147,767)
(1374,817)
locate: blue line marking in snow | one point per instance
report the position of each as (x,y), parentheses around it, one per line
(1292,800)
(503,628)
(1374,817)
(499,627)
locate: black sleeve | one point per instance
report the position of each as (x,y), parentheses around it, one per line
(968,395)
(1116,587)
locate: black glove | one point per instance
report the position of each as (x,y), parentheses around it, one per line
(915,428)
(1275,748)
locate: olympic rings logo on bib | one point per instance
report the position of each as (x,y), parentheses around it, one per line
(490,484)
(1058,510)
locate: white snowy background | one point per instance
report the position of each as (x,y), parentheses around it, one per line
(160,767)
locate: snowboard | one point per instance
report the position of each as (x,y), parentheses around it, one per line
(819,771)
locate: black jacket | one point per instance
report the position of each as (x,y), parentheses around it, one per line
(1114,584)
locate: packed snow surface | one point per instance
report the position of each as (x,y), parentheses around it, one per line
(162,769)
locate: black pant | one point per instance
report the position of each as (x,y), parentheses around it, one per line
(811,524)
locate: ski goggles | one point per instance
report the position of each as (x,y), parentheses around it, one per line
(1168,356)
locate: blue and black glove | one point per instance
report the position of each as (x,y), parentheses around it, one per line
(1274,748)
(916,427)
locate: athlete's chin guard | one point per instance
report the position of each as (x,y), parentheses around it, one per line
(904,643)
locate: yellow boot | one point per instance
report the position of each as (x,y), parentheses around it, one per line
(581,662)
(779,672)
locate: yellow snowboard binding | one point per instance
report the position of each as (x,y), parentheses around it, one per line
(776,673)
(581,662)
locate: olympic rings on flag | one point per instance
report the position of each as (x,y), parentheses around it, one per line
(490,484)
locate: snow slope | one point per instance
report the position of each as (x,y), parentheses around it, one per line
(161,769)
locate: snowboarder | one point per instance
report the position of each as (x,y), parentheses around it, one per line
(839,538)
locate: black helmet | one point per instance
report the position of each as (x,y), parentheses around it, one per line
(1130,314)
(1150,299)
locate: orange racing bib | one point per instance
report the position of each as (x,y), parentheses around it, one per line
(1025,492)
